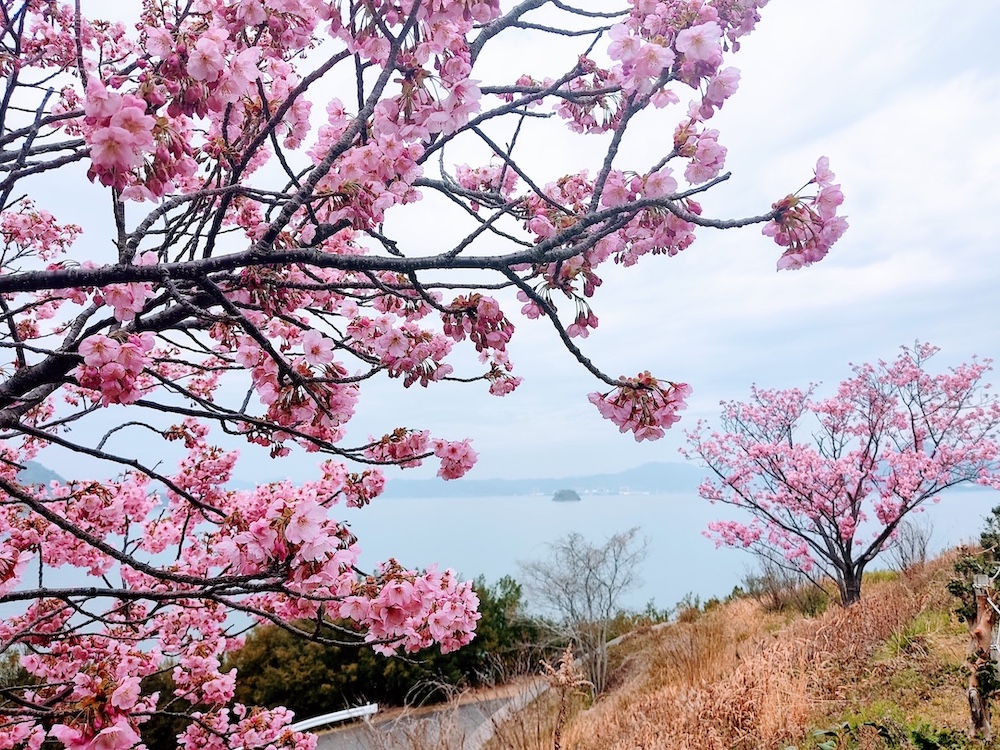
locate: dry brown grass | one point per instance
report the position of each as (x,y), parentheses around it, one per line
(733,680)
(741,677)
(534,727)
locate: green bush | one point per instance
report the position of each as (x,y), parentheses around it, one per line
(13,677)
(971,562)
(276,667)
(625,621)
(160,731)
(889,735)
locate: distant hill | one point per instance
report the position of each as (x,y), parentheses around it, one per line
(35,473)
(655,478)
(652,477)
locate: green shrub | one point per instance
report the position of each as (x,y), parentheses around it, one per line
(160,731)
(886,728)
(971,562)
(278,668)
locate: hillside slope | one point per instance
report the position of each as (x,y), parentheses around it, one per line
(887,673)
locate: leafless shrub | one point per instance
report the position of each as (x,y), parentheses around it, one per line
(581,585)
(911,544)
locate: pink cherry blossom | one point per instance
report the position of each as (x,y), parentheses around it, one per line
(808,225)
(118,736)
(99,350)
(624,46)
(642,405)
(305,523)
(100,103)
(138,124)
(456,458)
(659,184)
(722,86)
(206,61)
(700,43)
(115,148)
(317,348)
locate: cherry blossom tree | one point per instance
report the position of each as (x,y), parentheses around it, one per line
(829,481)
(249,168)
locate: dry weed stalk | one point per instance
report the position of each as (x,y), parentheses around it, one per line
(566,680)
(421,729)
(531,728)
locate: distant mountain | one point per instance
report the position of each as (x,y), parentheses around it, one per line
(652,478)
(35,473)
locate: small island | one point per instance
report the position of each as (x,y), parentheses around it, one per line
(566,496)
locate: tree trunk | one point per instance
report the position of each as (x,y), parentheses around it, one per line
(850,587)
(982,668)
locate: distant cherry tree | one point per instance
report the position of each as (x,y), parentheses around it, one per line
(250,171)
(828,482)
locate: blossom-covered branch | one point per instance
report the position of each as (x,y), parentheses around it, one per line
(248,265)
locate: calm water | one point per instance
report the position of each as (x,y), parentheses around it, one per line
(487,536)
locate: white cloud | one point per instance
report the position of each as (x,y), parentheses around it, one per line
(905,104)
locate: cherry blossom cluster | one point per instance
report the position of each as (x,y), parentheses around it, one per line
(407,448)
(295,401)
(26,229)
(413,611)
(127,300)
(592,102)
(277,531)
(257,727)
(481,320)
(808,225)
(371,177)
(403,448)
(661,42)
(639,62)
(111,691)
(12,564)
(707,157)
(131,150)
(652,231)
(407,351)
(194,71)
(643,405)
(114,367)
(457,457)
(489,179)
(694,27)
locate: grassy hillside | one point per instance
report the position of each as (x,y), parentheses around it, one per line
(887,673)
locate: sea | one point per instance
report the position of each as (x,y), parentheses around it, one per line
(488,536)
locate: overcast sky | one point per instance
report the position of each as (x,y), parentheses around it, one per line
(904,99)
(907,108)
(905,104)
